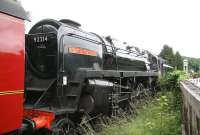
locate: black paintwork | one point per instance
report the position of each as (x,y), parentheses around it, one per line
(49,61)
(13,8)
(42,52)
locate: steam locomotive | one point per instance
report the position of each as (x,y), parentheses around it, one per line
(70,72)
(60,73)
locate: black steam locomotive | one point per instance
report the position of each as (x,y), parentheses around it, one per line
(70,72)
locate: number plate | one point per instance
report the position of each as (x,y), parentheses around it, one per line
(40,39)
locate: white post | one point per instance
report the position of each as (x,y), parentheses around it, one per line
(185,65)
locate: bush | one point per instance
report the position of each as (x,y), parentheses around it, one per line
(171,82)
(161,116)
(154,118)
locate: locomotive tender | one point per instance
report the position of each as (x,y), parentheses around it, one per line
(12,44)
(70,72)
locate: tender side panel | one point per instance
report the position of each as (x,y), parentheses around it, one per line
(11,72)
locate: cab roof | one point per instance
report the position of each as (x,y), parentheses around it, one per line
(13,8)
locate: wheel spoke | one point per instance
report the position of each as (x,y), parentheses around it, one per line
(65,126)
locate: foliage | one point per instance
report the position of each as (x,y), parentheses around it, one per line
(193,63)
(195,74)
(154,118)
(167,54)
(171,82)
(178,61)
(174,60)
(161,116)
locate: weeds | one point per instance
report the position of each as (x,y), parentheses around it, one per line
(154,118)
(160,116)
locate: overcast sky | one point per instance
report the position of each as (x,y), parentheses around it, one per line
(147,24)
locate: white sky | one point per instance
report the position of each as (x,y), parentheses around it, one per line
(147,24)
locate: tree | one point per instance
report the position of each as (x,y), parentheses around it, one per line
(178,61)
(167,54)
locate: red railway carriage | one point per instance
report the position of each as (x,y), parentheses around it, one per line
(12,41)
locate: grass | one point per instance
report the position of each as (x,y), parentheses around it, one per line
(158,117)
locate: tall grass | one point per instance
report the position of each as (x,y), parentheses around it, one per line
(154,118)
(161,116)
